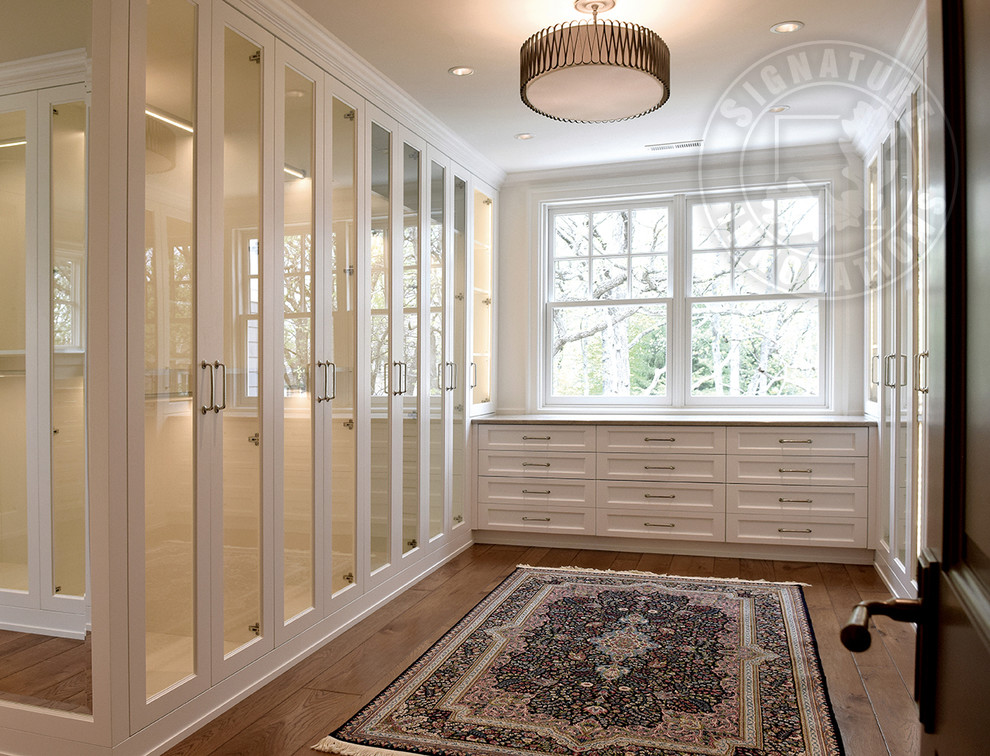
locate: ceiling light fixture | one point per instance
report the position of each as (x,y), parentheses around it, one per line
(524,136)
(786,27)
(460,71)
(778,109)
(595,72)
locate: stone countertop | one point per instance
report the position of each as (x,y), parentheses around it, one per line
(679,419)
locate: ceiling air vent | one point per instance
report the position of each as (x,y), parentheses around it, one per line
(674,145)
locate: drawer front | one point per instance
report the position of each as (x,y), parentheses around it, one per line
(692,497)
(644,523)
(799,442)
(672,467)
(809,471)
(833,502)
(796,530)
(672,439)
(537,519)
(536,464)
(520,492)
(545,437)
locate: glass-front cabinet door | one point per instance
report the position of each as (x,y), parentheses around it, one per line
(441,365)
(459,286)
(482,302)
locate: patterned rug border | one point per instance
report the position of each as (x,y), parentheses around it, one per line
(330,744)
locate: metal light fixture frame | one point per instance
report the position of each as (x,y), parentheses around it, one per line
(598,43)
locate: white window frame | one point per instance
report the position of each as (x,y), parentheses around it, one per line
(679,301)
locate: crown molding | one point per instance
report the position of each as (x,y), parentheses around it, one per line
(305,34)
(44,71)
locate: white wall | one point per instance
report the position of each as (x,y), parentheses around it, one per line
(521,195)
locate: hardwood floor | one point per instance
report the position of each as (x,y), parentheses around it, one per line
(871,691)
(45,671)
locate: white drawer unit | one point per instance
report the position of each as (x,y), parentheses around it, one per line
(536,464)
(549,519)
(690,497)
(811,471)
(672,467)
(799,441)
(646,523)
(524,492)
(668,439)
(757,483)
(544,437)
(796,530)
(819,501)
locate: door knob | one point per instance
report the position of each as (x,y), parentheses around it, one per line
(856,633)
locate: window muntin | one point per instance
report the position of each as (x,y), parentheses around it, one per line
(687,300)
(608,304)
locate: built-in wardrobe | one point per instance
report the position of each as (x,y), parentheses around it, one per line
(289,326)
(897,228)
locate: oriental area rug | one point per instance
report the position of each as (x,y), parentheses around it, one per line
(573,661)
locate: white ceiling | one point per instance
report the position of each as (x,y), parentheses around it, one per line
(714,46)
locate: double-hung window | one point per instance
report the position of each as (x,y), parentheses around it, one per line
(687,300)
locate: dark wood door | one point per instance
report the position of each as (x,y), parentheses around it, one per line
(956,697)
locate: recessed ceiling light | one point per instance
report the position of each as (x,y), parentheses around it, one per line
(786,27)
(460,71)
(524,136)
(778,109)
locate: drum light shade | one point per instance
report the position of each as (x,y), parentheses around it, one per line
(595,72)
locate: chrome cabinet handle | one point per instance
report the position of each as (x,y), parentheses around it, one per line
(795,441)
(658,467)
(332,370)
(659,439)
(875,370)
(223,386)
(919,386)
(659,496)
(888,379)
(213,387)
(536,464)
(536,519)
(474,375)
(454,376)
(397,378)
(793,530)
(795,501)
(535,492)
(536,438)
(789,470)
(658,524)
(329,369)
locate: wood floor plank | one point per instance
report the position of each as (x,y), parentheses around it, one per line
(659,564)
(594,560)
(756,569)
(558,558)
(692,566)
(626,560)
(725,568)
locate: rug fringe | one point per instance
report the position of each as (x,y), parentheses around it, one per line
(330,744)
(658,574)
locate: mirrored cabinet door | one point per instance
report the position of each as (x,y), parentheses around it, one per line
(306,380)
(341,314)
(247,344)
(176,392)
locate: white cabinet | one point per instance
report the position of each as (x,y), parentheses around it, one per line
(482,365)
(758,484)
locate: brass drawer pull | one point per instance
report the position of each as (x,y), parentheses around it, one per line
(538,464)
(788,470)
(535,492)
(795,441)
(648,438)
(658,467)
(536,519)
(536,438)
(795,501)
(659,496)
(793,530)
(658,524)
